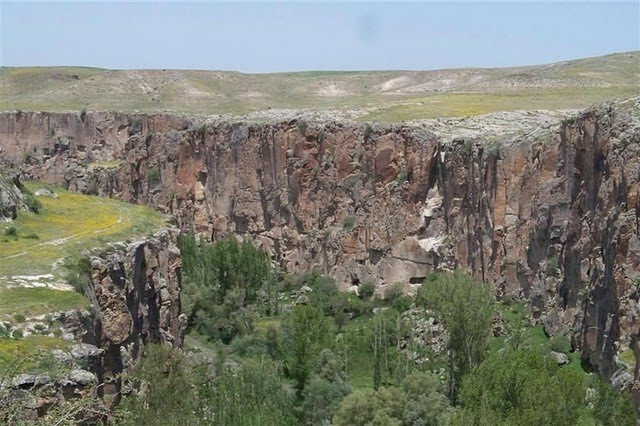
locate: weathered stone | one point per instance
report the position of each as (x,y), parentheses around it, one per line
(30,380)
(559,357)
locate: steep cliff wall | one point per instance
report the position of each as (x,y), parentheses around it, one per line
(554,219)
(135,290)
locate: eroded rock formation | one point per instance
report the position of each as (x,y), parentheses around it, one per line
(136,291)
(552,217)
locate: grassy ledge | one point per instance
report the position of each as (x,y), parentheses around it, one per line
(33,247)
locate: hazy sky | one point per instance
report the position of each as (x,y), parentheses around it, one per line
(266,37)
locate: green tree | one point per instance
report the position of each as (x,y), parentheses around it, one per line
(426,403)
(222,282)
(321,399)
(250,394)
(325,389)
(163,390)
(416,402)
(611,408)
(368,407)
(465,307)
(305,333)
(521,388)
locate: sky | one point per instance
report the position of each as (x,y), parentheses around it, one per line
(272,37)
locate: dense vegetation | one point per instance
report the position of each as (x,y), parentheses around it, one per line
(266,348)
(282,349)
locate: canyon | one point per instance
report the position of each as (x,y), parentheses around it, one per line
(548,215)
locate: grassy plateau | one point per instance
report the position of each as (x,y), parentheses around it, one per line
(386,96)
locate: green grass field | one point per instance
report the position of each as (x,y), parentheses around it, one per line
(38,301)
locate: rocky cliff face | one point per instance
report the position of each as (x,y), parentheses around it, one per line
(136,291)
(553,218)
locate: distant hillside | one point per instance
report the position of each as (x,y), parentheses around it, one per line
(366,95)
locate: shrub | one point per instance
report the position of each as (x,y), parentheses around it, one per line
(366,290)
(78,273)
(273,342)
(611,408)
(32,236)
(321,399)
(249,346)
(31,201)
(366,133)
(349,223)
(302,127)
(552,265)
(11,231)
(403,176)
(202,131)
(135,125)
(19,318)
(394,296)
(153,176)
(560,343)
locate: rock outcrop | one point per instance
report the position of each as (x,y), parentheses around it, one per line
(135,290)
(552,217)
(12,199)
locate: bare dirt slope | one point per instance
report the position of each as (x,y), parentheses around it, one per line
(367,95)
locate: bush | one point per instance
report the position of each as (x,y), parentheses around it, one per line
(32,236)
(349,223)
(135,125)
(164,389)
(611,408)
(78,273)
(31,201)
(249,346)
(366,290)
(153,176)
(366,133)
(552,265)
(324,293)
(302,127)
(11,231)
(560,344)
(202,131)
(321,399)
(394,296)
(403,176)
